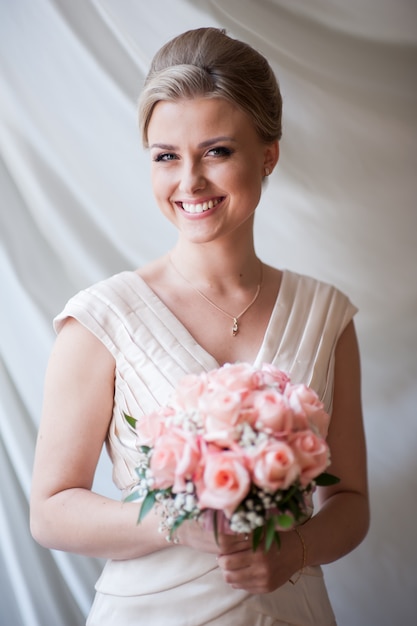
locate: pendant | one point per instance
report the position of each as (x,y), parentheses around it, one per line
(235,328)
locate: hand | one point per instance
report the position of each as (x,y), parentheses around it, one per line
(261,572)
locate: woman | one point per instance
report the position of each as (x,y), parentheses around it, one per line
(210,114)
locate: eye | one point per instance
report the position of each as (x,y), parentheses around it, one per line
(164,156)
(220,151)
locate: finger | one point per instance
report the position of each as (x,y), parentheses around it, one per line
(239,578)
(236,560)
(233,543)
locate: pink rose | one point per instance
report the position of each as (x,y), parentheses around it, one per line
(273,377)
(312,454)
(174,459)
(224,483)
(189,390)
(273,412)
(151,426)
(223,437)
(306,405)
(221,409)
(234,377)
(275,466)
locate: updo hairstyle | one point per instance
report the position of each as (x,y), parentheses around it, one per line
(206,62)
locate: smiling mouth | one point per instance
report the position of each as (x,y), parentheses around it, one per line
(200,207)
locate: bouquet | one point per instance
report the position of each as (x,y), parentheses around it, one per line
(237,446)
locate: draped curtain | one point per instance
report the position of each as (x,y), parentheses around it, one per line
(76,206)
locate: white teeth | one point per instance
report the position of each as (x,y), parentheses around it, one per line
(200,207)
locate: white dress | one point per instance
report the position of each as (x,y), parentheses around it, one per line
(153,351)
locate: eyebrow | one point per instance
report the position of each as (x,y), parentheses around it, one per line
(203,144)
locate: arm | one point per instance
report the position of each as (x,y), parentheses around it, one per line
(343,517)
(78,402)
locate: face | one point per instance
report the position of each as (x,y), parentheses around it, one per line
(208,164)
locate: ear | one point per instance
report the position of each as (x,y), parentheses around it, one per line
(271,156)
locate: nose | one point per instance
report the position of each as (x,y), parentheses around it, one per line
(191,177)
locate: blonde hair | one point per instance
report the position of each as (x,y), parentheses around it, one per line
(206,62)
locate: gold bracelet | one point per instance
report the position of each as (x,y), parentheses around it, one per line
(303,544)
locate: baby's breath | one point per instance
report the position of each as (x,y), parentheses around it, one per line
(249,437)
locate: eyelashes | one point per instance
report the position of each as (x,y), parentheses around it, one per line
(165,156)
(221,151)
(216,152)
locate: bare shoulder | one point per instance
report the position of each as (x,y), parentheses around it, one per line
(79,337)
(347,349)
(79,380)
(271,274)
(155,272)
(158,275)
(271,283)
(79,351)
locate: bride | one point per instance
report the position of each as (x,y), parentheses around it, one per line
(210,116)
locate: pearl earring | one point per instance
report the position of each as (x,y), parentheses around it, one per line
(267,171)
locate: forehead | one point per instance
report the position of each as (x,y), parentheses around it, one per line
(196,118)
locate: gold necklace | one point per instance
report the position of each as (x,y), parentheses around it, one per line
(235,318)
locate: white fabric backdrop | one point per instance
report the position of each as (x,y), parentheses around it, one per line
(76,206)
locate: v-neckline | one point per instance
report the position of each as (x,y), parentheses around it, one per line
(183,335)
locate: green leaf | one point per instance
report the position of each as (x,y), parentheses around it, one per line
(295,508)
(147,504)
(256,537)
(141,472)
(325,479)
(289,494)
(284,520)
(131,497)
(178,523)
(270,533)
(215,526)
(130,420)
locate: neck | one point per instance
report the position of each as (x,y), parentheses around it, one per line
(209,266)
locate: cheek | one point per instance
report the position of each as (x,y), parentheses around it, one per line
(156,181)
(243,186)
(162,196)
(252,190)
(248,177)
(161,185)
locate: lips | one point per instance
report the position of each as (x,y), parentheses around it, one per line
(199,207)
